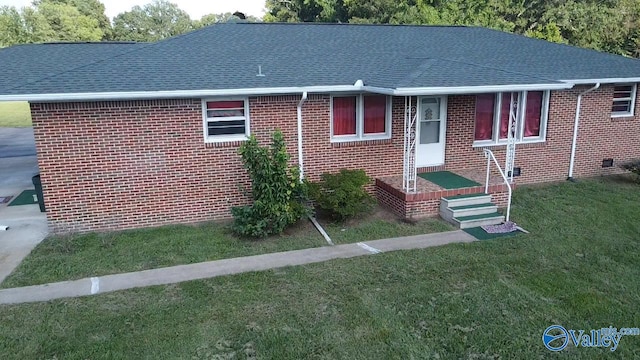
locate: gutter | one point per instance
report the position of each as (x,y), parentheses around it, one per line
(575,130)
(300,157)
(603,81)
(358,86)
(456,90)
(174,94)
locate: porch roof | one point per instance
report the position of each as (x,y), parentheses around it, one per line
(225,58)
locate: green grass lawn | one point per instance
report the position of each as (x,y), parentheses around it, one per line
(60,258)
(483,300)
(15,114)
(73,257)
(379,226)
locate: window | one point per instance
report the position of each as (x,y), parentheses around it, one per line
(624,98)
(530,110)
(225,120)
(360,117)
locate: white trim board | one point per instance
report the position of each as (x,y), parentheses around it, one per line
(357,87)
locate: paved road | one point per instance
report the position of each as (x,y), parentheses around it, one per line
(15,142)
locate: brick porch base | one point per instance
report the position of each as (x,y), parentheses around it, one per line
(426,200)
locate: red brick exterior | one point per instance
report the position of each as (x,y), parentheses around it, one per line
(600,136)
(422,204)
(126,164)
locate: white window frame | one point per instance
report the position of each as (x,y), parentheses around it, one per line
(520,116)
(225,138)
(634,88)
(360,135)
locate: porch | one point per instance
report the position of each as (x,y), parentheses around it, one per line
(425,201)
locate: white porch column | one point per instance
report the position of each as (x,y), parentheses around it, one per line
(410,136)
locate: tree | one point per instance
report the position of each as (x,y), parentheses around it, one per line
(211,19)
(12,30)
(67,23)
(91,8)
(608,25)
(155,21)
(306,11)
(46,21)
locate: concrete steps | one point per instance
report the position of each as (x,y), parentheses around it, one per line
(467,211)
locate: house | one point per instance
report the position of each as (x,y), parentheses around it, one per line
(148,135)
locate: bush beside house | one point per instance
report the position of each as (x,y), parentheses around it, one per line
(342,195)
(632,166)
(279,198)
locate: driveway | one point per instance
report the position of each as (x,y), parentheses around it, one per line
(27,225)
(17,142)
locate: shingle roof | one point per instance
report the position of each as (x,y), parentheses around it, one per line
(227,56)
(23,64)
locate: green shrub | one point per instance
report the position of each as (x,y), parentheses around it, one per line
(279,198)
(342,195)
(632,166)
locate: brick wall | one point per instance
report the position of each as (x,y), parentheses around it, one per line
(127,164)
(423,204)
(117,165)
(376,157)
(600,136)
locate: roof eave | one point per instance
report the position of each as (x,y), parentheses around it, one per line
(457,90)
(603,81)
(357,87)
(174,94)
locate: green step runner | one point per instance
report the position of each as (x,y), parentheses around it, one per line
(456,197)
(478,217)
(474,206)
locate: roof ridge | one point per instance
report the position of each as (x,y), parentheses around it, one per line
(345,24)
(78,43)
(115,42)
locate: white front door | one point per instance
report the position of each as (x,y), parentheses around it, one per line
(432,125)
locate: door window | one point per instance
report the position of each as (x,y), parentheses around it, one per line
(430,120)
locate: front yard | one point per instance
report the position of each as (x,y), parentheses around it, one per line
(483,300)
(73,257)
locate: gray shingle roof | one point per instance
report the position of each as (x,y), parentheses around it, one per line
(227,56)
(23,64)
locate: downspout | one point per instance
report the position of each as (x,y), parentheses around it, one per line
(300,157)
(575,130)
(358,84)
(301,166)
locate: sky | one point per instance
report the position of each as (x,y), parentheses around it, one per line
(195,8)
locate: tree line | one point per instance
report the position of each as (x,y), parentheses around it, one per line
(606,25)
(85,20)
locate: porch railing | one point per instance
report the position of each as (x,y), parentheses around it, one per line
(489,155)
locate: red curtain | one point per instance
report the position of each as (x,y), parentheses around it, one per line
(533,114)
(344,115)
(484,116)
(505,113)
(375,110)
(225,104)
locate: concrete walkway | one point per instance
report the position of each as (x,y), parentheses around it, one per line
(210,269)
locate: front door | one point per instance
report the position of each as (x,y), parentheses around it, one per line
(432,118)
